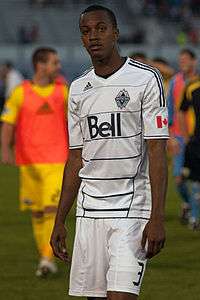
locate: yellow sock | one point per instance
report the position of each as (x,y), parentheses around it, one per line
(38,224)
(49,219)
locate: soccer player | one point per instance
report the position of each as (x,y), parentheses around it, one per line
(117,166)
(187,65)
(35,113)
(192,152)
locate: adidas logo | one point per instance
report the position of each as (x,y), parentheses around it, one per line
(87,87)
(45,109)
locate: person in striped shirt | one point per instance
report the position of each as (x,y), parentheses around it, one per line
(117,167)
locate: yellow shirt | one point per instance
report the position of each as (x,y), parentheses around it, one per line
(14,102)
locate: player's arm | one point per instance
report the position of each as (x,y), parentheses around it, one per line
(70,186)
(154,233)
(7,139)
(71,181)
(9,118)
(155,116)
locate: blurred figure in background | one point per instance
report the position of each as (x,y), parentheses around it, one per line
(35,113)
(139,56)
(2,93)
(191,169)
(11,77)
(176,144)
(165,69)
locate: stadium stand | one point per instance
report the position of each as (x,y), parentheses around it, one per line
(161,27)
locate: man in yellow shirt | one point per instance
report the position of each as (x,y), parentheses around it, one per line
(34,117)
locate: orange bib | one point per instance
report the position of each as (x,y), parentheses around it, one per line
(41,132)
(179,84)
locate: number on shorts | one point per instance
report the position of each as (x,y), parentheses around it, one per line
(140,273)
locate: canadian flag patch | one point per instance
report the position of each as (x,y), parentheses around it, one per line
(161,122)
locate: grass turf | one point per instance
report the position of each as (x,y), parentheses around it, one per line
(173,274)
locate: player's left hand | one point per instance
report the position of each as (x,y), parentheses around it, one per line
(58,243)
(154,236)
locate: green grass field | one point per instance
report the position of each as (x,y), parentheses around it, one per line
(174,274)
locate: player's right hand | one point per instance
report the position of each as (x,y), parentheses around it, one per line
(58,244)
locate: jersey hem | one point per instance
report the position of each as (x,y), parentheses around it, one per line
(151,137)
(87,293)
(76,147)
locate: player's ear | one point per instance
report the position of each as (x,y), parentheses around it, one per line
(116,31)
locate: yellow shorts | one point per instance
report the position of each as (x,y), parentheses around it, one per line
(40,185)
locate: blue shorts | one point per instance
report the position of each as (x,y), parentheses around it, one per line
(178,160)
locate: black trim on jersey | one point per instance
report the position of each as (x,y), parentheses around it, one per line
(108,112)
(83,74)
(137,218)
(157,73)
(157,136)
(83,201)
(111,158)
(106,209)
(117,178)
(142,209)
(157,76)
(108,196)
(113,138)
(115,71)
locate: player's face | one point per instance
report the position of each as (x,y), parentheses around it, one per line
(186,63)
(98,34)
(52,66)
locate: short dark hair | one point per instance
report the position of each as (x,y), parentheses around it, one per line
(189,52)
(41,55)
(100,7)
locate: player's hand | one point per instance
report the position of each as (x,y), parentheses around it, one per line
(58,244)
(154,236)
(7,157)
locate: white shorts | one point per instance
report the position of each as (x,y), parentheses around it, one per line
(107,256)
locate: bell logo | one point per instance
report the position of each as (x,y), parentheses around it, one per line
(105,129)
(161,122)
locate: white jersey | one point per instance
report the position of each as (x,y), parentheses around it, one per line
(110,119)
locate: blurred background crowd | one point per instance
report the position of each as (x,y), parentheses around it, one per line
(158,28)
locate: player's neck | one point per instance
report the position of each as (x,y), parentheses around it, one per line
(41,80)
(108,65)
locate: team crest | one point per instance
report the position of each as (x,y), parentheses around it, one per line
(122,99)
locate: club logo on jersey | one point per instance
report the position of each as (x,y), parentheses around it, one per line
(161,121)
(87,87)
(105,129)
(45,108)
(122,99)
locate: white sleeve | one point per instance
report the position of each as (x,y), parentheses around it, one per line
(74,127)
(154,110)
